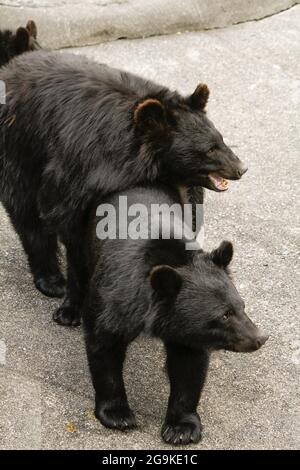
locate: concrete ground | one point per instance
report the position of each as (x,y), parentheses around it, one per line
(250,401)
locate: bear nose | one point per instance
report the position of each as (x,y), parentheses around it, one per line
(242,170)
(261,340)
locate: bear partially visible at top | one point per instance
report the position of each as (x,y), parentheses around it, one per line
(15,43)
(73,129)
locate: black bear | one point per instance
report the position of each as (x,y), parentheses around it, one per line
(155,286)
(23,40)
(73,129)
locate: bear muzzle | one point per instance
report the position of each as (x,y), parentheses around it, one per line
(251,344)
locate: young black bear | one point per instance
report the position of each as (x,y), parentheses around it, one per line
(73,129)
(23,40)
(185,298)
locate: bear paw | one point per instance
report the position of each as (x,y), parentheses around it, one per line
(51,285)
(116,417)
(185,430)
(67,316)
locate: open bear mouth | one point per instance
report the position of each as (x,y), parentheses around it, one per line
(219,183)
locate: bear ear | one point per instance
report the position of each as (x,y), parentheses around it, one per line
(22,40)
(199,99)
(150,113)
(32,29)
(222,255)
(166,281)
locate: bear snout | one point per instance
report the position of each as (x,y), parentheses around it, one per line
(242,170)
(261,340)
(251,344)
(237,171)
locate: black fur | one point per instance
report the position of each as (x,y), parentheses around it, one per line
(186,298)
(73,129)
(13,44)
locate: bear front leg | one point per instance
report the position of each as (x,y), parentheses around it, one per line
(187,369)
(106,355)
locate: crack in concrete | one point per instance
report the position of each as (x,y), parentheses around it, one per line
(254,19)
(215,28)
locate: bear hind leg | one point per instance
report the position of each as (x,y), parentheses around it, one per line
(106,356)
(41,249)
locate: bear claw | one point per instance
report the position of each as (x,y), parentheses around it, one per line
(182,432)
(67,316)
(119,417)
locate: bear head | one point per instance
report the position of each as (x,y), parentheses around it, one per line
(193,151)
(199,306)
(13,44)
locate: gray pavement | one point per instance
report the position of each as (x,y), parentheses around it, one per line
(250,401)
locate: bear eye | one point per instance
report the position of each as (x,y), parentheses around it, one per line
(227,315)
(212,150)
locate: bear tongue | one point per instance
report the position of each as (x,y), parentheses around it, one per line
(220,183)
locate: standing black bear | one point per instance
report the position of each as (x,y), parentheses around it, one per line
(186,298)
(23,40)
(71,129)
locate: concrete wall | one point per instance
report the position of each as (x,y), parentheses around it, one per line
(66,23)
